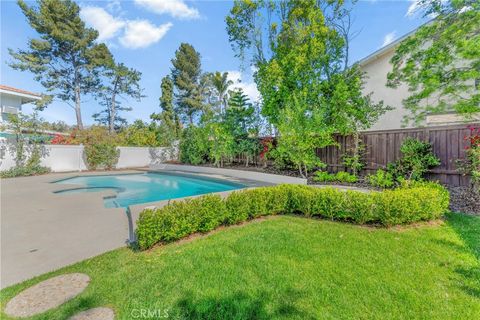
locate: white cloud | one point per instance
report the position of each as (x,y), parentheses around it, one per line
(175,8)
(136,33)
(247,85)
(114,6)
(142,33)
(413,8)
(389,37)
(106,25)
(418,6)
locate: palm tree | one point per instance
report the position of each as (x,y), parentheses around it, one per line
(221,83)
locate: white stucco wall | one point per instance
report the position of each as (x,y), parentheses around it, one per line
(64,158)
(10,101)
(376,68)
(376,78)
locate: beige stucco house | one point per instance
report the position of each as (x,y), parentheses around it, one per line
(12,99)
(376,66)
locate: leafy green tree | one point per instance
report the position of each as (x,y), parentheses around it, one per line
(221,143)
(186,74)
(121,82)
(299,135)
(440,62)
(303,63)
(194,145)
(139,134)
(26,145)
(65,59)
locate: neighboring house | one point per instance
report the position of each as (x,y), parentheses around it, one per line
(377,66)
(12,99)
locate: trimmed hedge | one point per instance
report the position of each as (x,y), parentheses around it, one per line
(406,204)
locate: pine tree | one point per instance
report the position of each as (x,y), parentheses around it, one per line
(240,114)
(65,59)
(186,75)
(121,82)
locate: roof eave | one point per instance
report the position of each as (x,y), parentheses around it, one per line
(26,98)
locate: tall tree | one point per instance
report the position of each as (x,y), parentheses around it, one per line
(440,62)
(186,73)
(121,83)
(243,123)
(221,84)
(301,73)
(240,114)
(65,59)
(168,116)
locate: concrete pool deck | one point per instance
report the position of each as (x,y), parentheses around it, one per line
(42,231)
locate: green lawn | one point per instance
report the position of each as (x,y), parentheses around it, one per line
(292,268)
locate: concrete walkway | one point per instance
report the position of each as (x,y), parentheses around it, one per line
(42,231)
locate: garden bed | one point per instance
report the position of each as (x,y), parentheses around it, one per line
(461,198)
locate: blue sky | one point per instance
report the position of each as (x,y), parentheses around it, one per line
(144,34)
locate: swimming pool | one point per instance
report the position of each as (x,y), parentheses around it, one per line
(145,187)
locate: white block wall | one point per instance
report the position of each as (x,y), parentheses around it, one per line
(61,158)
(64,158)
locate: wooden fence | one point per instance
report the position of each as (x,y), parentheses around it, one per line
(383,147)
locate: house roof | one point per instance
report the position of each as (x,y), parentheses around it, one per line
(383,50)
(389,47)
(25,95)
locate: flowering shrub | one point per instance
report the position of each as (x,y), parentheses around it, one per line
(471,164)
(267,144)
(62,139)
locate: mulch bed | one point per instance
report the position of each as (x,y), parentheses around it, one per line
(464,199)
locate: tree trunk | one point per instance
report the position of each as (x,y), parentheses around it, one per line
(111,125)
(300,170)
(356,141)
(78,111)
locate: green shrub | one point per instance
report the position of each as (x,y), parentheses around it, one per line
(323,176)
(24,171)
(381,179)
(252,203)
(341,176)
(101,155)
(194,146)
(409,203)
(237,207)
(417,158)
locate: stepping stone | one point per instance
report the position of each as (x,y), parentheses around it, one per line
(100,313)
(47,295)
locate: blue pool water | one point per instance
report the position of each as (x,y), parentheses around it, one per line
(146,187)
